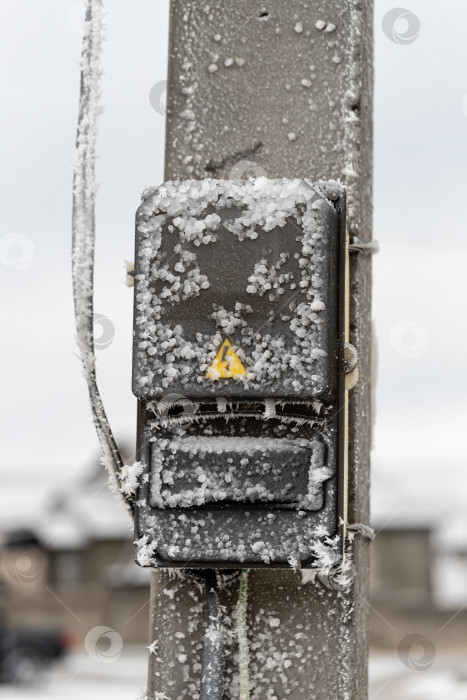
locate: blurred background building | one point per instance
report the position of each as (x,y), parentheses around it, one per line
(68,563)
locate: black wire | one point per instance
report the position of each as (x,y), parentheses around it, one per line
(213,658)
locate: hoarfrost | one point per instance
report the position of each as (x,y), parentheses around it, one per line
(153,646)
(184,212)
(131,474)
(215,634)
(145,551)
(237,469)
(83,228)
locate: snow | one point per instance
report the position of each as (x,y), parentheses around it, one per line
(79,675)
(221,404)
(67,515)
(445,679)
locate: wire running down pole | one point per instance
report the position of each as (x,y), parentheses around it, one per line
(213,658)
(83,232)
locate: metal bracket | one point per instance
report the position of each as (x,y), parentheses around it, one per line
(350,366)
(130,273)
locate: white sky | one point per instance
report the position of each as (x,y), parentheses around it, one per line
(419,286)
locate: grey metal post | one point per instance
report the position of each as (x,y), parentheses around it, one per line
(260,87)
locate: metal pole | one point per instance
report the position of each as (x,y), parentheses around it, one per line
(282,90)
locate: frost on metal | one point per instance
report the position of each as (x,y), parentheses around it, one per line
(237,364)
(145,550)
(214,475)
(275,477)
(177,225)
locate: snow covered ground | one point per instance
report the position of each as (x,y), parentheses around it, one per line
(445,679)
(82,677)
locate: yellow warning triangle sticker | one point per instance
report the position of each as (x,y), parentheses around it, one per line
(226,364)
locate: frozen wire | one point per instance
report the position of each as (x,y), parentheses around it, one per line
(83,231)
(213,657)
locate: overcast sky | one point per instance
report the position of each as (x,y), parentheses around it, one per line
(420,285)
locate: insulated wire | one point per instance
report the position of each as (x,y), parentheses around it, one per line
(83,233)
(83,244)
(213,658)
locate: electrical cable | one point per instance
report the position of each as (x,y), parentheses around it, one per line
(83,234)
(83,246)
(213,657)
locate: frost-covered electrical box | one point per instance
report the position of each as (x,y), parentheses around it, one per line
(239,335)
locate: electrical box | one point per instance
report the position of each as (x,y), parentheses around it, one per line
(239,331)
